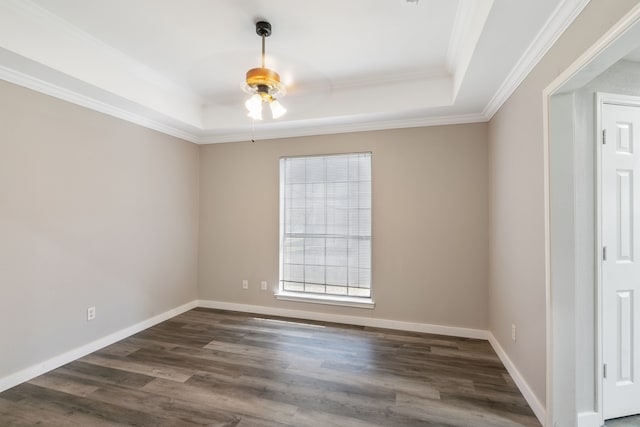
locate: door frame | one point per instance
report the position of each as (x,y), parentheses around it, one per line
(584,64)
(602,98)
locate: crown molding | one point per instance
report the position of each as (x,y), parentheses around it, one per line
(38,85)
(326,129)
(560,19)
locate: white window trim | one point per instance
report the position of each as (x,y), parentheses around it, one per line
(328,299)
(356,302)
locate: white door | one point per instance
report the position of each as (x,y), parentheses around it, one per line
(621,263)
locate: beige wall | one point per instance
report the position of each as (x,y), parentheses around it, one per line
(429,222)
(517,241)
(93,211)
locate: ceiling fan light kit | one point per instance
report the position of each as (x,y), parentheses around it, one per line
(263,84)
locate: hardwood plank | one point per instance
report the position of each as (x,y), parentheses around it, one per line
(122,348)
(170,407)
(65,384)
(221,357)
(439,411)
(33,412)
(89,408)
(235,401)
(149,369)
(381,382)
(95,374)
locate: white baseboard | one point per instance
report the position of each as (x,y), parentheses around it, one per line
(530,397)
(589,419)
(350,320)
(62,359)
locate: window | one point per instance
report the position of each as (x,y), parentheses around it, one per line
(325,226)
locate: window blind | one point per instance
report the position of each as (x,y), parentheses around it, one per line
(325,224)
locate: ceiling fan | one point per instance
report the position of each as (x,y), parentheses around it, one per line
(263,84)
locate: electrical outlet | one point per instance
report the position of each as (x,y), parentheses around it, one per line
(513,331)
(263,285)
(91,313)
(245,284)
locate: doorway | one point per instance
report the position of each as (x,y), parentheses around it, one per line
(574,287)
(619,226)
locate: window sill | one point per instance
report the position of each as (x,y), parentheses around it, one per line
(326,299)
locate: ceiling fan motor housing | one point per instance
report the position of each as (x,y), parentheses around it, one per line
(263,28)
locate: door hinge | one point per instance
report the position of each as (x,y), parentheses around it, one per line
(604,253)
(604,370)
(604,136)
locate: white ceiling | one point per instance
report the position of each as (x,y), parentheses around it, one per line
(634,55)
(348,64)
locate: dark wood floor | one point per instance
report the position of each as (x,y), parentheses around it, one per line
(210,367)
(624,422)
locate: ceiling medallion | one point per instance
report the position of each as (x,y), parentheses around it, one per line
(263,84)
